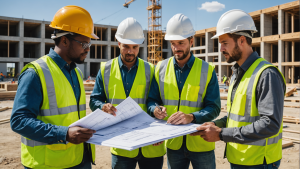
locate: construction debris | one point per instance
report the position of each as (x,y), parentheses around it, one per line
(290,91)
(291,119)
(287,143)
(7,95)
(4,120)
(4,108)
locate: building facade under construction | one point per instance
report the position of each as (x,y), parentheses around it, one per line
(277,41)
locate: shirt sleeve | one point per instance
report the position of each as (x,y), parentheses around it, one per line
(153,97)
(270,99)
(211,102)
(98,96)
(27,104)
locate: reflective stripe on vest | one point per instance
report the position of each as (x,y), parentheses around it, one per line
(243,111)
(107,75)
(115,94)
(53,108)
(60,108)
(188,101)
(202,84)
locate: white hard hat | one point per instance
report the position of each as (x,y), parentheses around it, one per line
(234,21)
(130,32)
(179,27)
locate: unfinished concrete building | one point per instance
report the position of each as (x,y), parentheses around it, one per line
(23,41)
(277,40)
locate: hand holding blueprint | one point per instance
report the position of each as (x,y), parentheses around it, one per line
(131,128)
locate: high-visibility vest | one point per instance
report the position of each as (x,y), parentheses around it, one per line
(115,93)
(243,111)
(190,100)
(59,108)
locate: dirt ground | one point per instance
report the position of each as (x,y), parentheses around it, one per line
(10,145)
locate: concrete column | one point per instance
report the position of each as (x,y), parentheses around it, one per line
(280,22)
(21,28)
(286,22)
(87,68)
(293,51)
(108,50)
(21,65)
(262,49)
(280,54)
(219,62)
(43,39)
(208,44)
(109,34)
(267,51)
(265,25)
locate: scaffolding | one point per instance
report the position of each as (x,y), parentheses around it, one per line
(155,35)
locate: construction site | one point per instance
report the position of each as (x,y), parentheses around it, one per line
(277,40)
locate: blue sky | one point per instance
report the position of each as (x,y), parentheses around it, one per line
(99,9)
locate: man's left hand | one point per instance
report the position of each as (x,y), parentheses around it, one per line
(180,118)
(208,132)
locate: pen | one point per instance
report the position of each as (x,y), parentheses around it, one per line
(160,109)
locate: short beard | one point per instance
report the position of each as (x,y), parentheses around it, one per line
(235,56)
(185,54)
(75,59)
(128,60)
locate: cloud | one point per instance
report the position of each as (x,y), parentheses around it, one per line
(213,6)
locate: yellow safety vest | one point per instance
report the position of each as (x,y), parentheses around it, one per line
(243,111)
(190,100)
(59,108)
(115,93)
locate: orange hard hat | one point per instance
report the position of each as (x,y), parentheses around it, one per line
(74,19)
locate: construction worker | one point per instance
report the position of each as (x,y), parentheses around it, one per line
(127,75)
(188,88)
(51,96)
(2,76)
(252,128)
(224,79)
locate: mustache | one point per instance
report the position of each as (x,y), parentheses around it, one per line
(84,53)
(126,55)
(178,51)
(225,53)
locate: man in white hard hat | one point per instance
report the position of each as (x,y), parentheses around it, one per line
(252,128)
(188,89)
(127,75)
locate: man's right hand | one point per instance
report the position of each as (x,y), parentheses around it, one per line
(160,114)
(77,135)
(109,108)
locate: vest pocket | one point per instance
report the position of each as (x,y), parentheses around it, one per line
(61,155)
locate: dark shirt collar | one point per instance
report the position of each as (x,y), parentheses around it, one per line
(122,64)
(249,61)
(189,63)
(61,63)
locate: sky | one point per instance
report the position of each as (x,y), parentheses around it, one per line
(203,14)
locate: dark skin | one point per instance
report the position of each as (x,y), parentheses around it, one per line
(71,51)
(181,51)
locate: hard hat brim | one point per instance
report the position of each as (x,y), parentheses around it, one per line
(130,41)
(178,37)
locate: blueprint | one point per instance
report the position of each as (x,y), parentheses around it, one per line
(131,128)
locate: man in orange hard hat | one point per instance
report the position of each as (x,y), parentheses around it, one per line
(51,96)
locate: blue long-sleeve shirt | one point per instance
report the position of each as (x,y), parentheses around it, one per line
(211,101)
(98,97)
(29,99)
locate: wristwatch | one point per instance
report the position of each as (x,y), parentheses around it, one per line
(220,135)
(194,119)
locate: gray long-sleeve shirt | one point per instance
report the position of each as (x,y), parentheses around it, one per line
(269,93)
